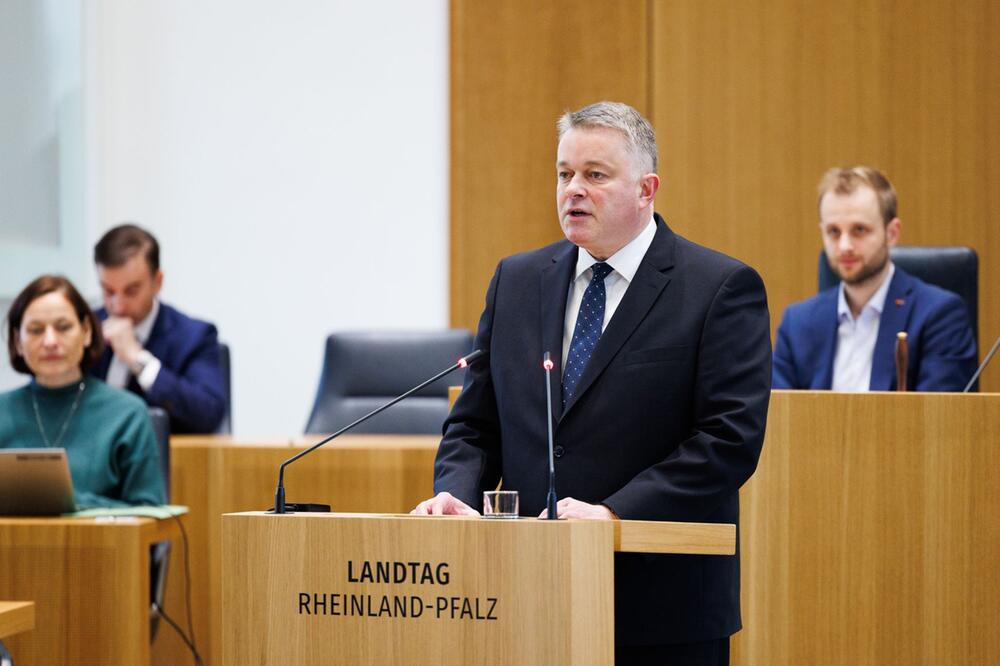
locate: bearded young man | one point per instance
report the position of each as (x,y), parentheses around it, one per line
(844,338)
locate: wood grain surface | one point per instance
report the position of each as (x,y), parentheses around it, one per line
(89,581)
(213,475)
(521,577)
(870,531)
(752,101)
(15,617)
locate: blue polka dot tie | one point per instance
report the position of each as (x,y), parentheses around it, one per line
(589,321)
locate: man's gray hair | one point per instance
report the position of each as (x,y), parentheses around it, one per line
(622,117)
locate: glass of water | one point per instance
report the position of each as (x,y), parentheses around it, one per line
(500,504)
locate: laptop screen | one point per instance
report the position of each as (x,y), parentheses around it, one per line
(35,482)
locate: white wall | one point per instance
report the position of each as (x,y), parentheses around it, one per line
(291,158)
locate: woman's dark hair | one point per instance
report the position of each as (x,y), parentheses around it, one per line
(47,284)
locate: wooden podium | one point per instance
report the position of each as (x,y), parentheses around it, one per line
(392,589)
(89,580)
(870,532)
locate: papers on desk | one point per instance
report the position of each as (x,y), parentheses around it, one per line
(159,512)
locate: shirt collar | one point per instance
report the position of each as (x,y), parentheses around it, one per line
(145,327)
(876,302)
(625,261)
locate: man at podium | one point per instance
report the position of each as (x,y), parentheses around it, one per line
(661,383)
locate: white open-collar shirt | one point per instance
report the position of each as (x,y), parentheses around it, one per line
(852,362)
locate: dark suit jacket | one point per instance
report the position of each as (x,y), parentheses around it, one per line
(942,348)
(189,385)
(666,423)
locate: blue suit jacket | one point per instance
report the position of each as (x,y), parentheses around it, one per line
(941,344)
(189,385)
(666,423)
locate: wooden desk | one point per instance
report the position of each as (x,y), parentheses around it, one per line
(15,617)
(89,580)
(870,532)
(213,475)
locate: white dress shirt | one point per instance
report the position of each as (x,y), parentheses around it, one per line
(625,263)
(118,372)
(852,362)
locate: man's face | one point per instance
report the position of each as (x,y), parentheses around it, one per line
(602,198)
(128,290)
(855,238)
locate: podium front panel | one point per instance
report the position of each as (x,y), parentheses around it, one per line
(381,589)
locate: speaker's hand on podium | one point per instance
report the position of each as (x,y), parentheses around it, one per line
(568,507)
(443,504)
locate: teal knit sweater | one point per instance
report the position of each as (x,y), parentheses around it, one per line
(112,451)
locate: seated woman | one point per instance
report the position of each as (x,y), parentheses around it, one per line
(113,458)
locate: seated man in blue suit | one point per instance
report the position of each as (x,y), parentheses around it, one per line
(663,350)
(844,338)
(162,355)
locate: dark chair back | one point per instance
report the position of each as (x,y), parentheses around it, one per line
(161,428)
(952,267)
(159,553)
(361,371)
(226,425)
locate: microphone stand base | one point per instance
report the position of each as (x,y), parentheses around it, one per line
(303,507)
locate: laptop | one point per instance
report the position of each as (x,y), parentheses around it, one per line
(35,482)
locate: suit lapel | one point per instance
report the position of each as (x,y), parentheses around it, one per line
(895,315)
(827,334)
(645,288)
(554,286)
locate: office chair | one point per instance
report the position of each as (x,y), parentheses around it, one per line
(159,553)
(363,370)
(952,267)
(226,425)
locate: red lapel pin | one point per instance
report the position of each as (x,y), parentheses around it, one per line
(899,301)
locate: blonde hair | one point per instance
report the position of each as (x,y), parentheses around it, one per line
(846,180)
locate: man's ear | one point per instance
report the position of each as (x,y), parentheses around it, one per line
(158,280)
(893,230)
(648,186)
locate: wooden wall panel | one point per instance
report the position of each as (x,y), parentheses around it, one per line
(754,100)
(515,67)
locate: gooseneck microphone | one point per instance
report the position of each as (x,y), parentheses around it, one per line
(982,366)
(550,501)
(279,492)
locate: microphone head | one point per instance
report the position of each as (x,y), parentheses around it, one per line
(469,358)
(547,361)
